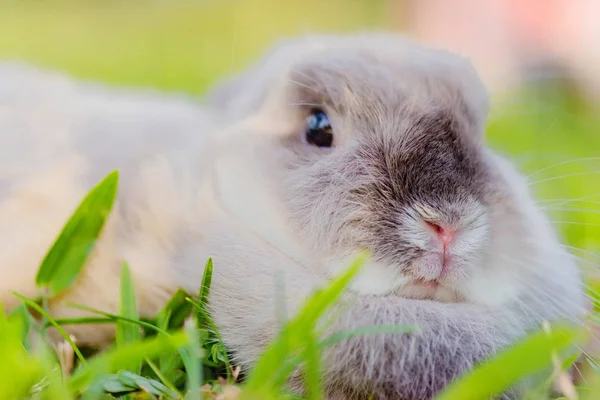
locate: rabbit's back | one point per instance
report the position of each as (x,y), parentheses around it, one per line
(60,136)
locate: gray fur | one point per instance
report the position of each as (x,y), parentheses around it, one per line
(233,179)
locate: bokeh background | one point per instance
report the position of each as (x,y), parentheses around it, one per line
(540,59)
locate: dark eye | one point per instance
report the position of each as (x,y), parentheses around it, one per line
(318,129)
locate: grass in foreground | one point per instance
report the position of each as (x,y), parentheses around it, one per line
(179,354)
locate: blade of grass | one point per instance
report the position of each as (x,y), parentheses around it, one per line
(263,378)
(182,353)
(118,317)
(60,330)
(530,355)
(290,343)
(170,364)
(170,317)
(128,379)
(55,388)
(112,384)
(81,321)
(66,258)
(193,366)
(19,371)
(128,332)
(324,298)
(204,291)
(368,330)
(203,318)
(26,321)
(162,378)
(215,331)
(312,368)
(295,360)
(175,312)
(118,358)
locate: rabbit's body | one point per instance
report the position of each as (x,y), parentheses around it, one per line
(59,138)
(394,161)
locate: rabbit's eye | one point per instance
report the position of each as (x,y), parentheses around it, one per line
(318,129)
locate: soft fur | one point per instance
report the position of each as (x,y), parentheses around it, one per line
(234,180)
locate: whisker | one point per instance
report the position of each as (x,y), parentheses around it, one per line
(567,201)
(304,75)
(574,209)
(539,290)
(554,178)
(542,296)
(581,251)
(588,196)
(562,250)
(575,223)
(563,163)
(576,367)
(591,271)
(303,85)
(305,104)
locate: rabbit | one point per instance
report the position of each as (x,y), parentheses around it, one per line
(326,146)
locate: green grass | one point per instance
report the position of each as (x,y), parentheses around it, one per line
(179,353)
(184,46)
(164,357)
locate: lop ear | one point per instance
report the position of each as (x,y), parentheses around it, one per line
(245,92)
(240,94)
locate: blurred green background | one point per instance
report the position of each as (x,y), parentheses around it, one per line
(170,44)
(185,45)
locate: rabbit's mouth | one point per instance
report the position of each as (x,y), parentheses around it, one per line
(429,290)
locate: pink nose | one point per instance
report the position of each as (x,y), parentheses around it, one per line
(444,234)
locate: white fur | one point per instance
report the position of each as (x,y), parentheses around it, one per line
(203,181)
